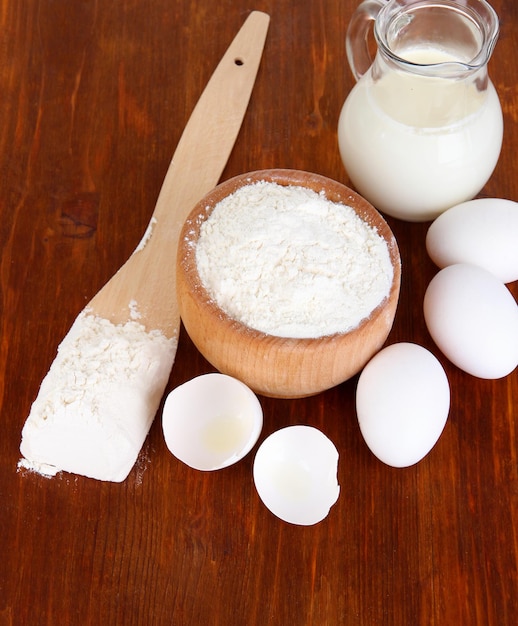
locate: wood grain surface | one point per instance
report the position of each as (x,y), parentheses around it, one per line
(93,98)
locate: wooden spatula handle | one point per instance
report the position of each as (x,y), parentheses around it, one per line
(147,279)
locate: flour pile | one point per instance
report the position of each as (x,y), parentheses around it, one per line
(97,402)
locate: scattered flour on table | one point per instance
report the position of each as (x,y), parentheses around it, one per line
(97,402)
(287,261)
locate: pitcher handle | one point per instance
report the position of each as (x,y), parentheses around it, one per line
(356,40)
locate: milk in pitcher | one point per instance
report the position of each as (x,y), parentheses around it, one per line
(422,128)
(416,145)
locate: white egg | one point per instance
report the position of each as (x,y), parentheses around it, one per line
(402,403)
(473,318)
(482,232)
(295,474)
(211,421)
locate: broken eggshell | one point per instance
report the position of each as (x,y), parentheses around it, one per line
(211,421)
(295,474)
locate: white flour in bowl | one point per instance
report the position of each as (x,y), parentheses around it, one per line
(286,261)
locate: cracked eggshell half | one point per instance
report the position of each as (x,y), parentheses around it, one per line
(295,474)
(211,421)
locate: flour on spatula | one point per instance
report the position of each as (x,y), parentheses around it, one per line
(97,402)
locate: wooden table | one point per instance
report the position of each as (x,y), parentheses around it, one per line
(93,98)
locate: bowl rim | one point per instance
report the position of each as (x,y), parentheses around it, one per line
(334,191)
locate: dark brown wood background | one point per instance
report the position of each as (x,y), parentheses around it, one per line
(93,98)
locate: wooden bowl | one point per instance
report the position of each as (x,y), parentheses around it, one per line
(280,366)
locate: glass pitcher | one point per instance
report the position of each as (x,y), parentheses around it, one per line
(422,128)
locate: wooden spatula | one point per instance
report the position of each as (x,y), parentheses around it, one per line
(61,433)
(148,277)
